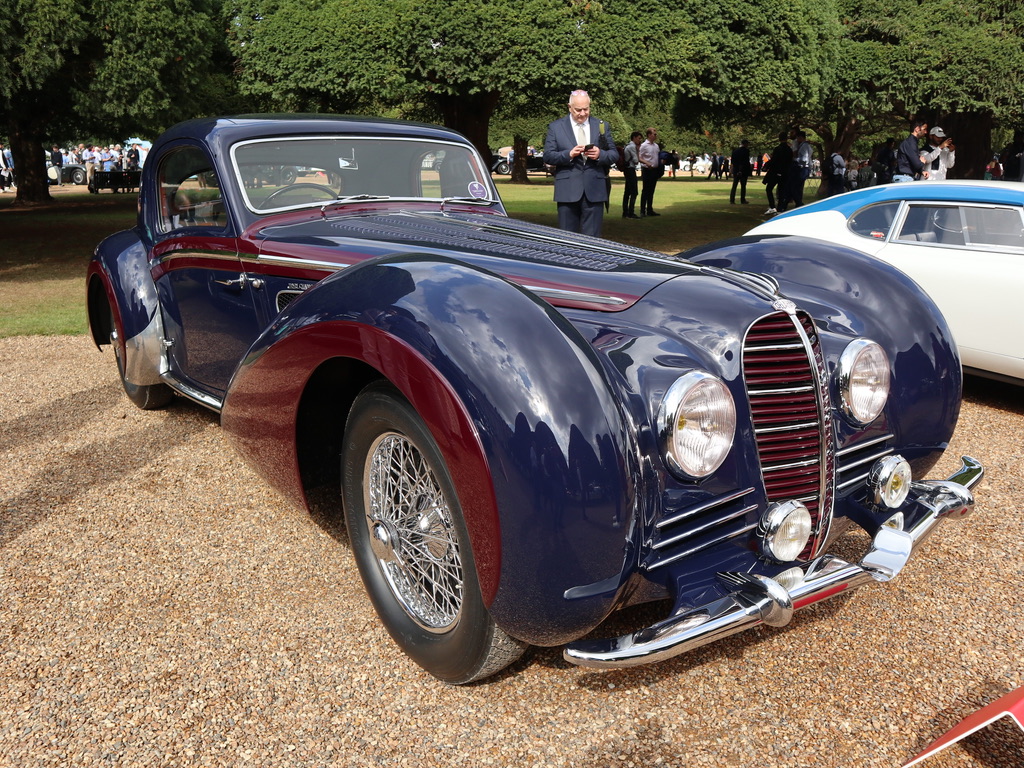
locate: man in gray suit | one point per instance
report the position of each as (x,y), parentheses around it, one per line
(582,150)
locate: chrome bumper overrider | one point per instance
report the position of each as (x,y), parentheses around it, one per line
(758,600)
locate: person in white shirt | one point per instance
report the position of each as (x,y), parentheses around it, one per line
(940,154)
(651,170)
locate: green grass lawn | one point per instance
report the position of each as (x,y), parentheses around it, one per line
(44,251)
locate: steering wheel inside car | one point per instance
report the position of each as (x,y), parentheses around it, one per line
(292,187)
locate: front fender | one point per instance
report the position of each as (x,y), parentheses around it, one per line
(852,294)
(515,398)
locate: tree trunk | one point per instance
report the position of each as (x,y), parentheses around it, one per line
(972,136)
(471,116)
(519,150)
(29,163)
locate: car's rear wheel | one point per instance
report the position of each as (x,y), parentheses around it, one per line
(411,545)
(148,397)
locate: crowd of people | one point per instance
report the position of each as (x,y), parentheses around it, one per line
(92,157)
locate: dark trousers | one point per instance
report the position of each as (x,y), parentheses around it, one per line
(629,195)
(773,180)
(582,216)
(649,177)
(742,181)
(797,176)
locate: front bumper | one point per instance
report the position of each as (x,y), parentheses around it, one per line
(755,599)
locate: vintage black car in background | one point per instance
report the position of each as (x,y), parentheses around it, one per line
(528,430)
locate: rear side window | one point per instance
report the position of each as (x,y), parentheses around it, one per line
(933,223)
(874,221)
(1002,227)
(189,191)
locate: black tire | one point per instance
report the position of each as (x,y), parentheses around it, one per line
(411,544)
(288,175)
(78,176)
(503,168)
(148,397)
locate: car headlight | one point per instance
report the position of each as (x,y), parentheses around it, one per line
(697,423)
(785,529)
(863,379)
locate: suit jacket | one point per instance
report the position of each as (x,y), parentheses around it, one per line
(578,176)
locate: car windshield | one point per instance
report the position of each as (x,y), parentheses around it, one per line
(284,173)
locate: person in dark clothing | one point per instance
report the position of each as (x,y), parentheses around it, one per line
(57,161)
(908,157)
(740,171)
(884,161)
(776,175)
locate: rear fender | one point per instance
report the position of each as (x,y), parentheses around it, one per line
(516,400)
(119,271)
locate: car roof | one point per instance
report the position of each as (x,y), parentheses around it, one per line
(226,130)
(993,192)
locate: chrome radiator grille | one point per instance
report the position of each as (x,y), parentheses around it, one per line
(782,366)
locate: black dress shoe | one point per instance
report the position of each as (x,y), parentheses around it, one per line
(652,213)
(630,216)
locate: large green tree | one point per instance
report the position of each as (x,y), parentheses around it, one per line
(880,63)
(76,68)
(459,61)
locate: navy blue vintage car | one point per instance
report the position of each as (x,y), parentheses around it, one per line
(527,430)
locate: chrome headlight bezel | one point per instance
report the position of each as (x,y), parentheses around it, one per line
(784,530)
(862,381)
(696,424)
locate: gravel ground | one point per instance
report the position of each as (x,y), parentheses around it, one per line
(159,607)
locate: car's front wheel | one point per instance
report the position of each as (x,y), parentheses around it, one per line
(411,545)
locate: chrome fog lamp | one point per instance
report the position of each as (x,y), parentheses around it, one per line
(863,380)
(696,424)
(890,480)
(785,529)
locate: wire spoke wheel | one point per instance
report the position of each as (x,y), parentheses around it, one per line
(411,533)
(410,541)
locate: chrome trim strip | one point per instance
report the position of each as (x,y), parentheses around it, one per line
(866,460)
(852,481)
(862,446)
(787,428)
(214,403)
(718,501)
(754,600)
(790,465)
(593,298)
(788,390)
(701,528)
(702,547)
(291,261)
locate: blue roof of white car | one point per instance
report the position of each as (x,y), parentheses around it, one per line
(996,192)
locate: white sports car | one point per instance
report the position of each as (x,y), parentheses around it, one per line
(962,241)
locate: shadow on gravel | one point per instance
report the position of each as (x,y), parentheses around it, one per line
(994,394)
(101,461)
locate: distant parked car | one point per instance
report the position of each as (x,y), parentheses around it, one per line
(524,429)
(503,165)
(962,241)
(72,173)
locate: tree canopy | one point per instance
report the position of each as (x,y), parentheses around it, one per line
(73,68)
(460,60)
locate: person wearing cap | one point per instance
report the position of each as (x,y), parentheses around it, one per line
(939,156)
(908,157)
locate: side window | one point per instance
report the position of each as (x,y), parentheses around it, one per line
(874,221)
(994,226)
(189,191)
(931,223)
